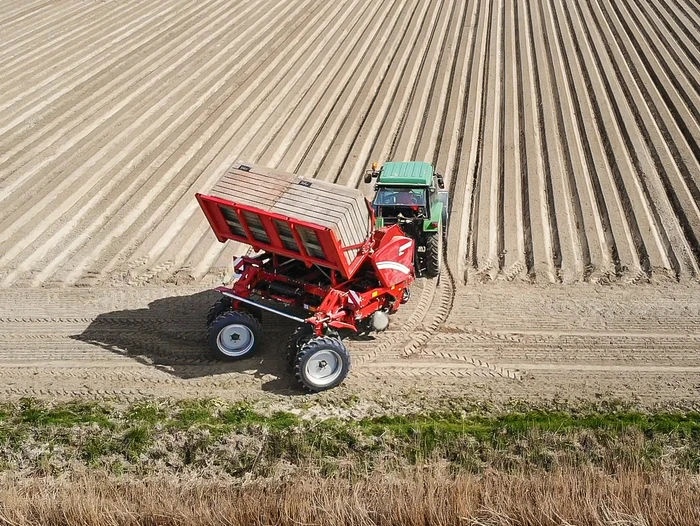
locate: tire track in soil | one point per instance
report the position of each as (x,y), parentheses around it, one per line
(169,358)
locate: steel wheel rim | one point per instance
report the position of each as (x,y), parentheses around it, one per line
(235,340)
(324,367)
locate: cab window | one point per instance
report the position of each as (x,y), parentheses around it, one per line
(400,197)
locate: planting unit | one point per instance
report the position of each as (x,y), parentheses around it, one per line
(317,259)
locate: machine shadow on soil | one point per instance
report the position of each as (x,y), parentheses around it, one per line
(171,336)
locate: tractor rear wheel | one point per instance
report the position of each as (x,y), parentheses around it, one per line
(433,254)
(322,363)
(234,335)
(296,340)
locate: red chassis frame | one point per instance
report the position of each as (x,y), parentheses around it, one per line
(344,299)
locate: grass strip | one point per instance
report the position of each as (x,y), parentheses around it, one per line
(236,439)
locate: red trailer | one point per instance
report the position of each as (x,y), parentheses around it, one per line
(318,259)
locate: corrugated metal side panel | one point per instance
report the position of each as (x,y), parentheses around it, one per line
(333,206)
(323,205)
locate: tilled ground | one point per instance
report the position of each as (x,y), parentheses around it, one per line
(640,344)
(568,135)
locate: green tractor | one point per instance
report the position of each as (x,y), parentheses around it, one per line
(412,194)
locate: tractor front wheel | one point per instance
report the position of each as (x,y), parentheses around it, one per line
(234,335)
(433,255)
(322,363)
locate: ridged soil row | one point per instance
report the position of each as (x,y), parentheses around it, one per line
(353,46)
(92,50)
(21,18)
(471,149)
(297,71)
(349,110)
(84,112)
(352,86)
(378,108)
(560,184)
(568,132)
(346,123)
(181,118)
(678,107)
(665,171)
(31,36)
(103,161)
(76,92)
(192,148)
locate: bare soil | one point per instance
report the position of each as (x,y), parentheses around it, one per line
(498,341)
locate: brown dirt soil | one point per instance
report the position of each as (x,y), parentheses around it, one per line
(568,134)
(639,344)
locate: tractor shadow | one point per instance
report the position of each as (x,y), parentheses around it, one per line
(170,335)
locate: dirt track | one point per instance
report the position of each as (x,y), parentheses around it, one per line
(501,341)
(568,134)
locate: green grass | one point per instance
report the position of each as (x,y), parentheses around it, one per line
(66,415)
(197,433)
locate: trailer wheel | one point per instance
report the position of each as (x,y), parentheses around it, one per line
(221,305)
(296,340)
(234,335)
(433,254)
(225,304)
(321,364)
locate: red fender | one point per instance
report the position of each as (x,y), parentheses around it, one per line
(393,260)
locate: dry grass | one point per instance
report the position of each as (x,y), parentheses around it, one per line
(416,496)
(202,463)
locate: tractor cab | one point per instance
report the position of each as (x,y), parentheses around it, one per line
(394,201)
(412,195)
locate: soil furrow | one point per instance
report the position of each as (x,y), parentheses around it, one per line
(78,181)
(401,90)
(183,165)
(671,170)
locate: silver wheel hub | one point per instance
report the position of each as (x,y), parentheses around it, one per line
(324,367)
(235,340)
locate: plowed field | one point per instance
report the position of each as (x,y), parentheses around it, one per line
(568,133)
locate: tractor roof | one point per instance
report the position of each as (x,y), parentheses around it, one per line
(408,173)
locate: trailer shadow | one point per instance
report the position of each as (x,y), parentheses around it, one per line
(170,335)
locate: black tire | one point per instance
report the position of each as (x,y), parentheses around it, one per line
(310,374)
(296,340)
(433,254)
(223,304)
(228,329)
